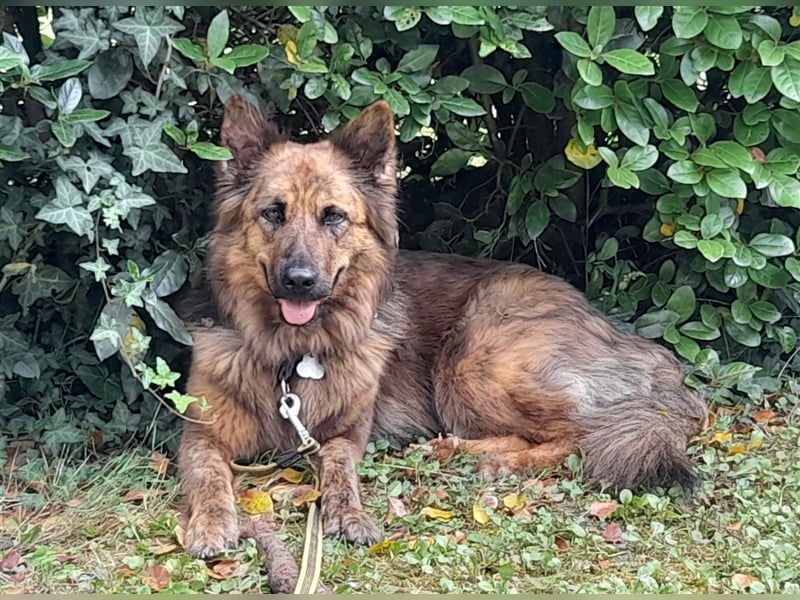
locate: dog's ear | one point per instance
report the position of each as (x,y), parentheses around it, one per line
(369,141)
(246,133)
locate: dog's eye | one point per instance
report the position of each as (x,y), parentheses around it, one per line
(332,217)
(273,214)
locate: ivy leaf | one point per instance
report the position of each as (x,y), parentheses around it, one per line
(153,156)
(67,209)
(148,28)
(170,271)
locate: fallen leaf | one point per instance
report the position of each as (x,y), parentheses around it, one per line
(381,547)
(457,536)
(226,568)
(65,559)
(734,526)
(490,501)
(601,510)
(74,502)
(737,449)
(613,533)
(255,502)
(291,475)
(764,415)
(514,502)
(722,437)
(752,445)
(162,549)
(134,496)
(479,515)
(441,495)
(758,154)
(395,508)
(604,564)
(156,577)
(311,495)
(562,545)
(436,513)
(178,533)
(10,561)
(419,492)
(158,463)
(743,581)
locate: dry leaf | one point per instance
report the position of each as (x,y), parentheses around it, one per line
(441,495)
(764,415)
(156,577)
(743,581)
(722,437)
(419,492)
(758,154)
(291,475)
(381,547)
(74,502)
(514,502)
(395,508)
(562,545)
(226,568)
(613,533)
(255,502)
(601,510)
(311,495)
(162,549)
(159,463)
(134,496)
(178,533)
(436,513)
(604,564)
(10,561)
(457,536)
(490,501)
(737,449)
(734,526)
(479,514)
(754,444)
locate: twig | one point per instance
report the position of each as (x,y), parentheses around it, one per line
(165,67)
(491,124)
(281,568)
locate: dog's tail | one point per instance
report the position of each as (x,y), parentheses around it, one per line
(640,443)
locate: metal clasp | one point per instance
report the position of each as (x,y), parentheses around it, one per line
(290,410)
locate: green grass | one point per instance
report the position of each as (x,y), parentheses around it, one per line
(77,531)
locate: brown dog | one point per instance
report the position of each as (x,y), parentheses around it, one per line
(304,260)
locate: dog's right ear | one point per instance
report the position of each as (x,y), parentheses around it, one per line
(246,133)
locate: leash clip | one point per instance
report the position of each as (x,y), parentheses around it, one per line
(290,410)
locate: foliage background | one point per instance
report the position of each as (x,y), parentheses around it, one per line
(649,155)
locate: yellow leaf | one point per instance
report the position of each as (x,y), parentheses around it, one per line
(291,475)
(737,449)
(255,502)
(287,33)
(514,501)
(585,158)
(382,547)
(307,498)
(131,350)
(291,51)
(794,20)
(435,513)
(754,444)
(722,437)
(479,514)
(667,229)
(739,206)
(291,93)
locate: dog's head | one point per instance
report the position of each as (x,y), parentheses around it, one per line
(301,220)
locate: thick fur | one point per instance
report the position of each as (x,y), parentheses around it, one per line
(513,360)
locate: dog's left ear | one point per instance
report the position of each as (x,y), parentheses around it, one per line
(369,141)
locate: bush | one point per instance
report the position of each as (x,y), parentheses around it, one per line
(649,155)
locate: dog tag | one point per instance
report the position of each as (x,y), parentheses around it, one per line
(310,367)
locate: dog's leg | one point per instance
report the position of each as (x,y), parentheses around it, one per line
(342,513)
(540,456)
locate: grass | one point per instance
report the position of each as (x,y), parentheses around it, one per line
(108,524)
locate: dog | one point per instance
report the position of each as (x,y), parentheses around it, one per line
(514,362)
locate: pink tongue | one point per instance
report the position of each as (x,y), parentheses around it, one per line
(298,313)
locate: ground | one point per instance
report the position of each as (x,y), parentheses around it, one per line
(109,524)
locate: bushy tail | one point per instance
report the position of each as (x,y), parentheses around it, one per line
(641,443)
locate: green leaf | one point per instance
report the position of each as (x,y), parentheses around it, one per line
(740,312)
(593,97)
(793,267)
(181,401)
(699,331)
(727,183)
(170,272)
(466,15)
(765,311)
(786,77)
(418,59)
(441,15)
(110,73)
(733,154)
(653,324)
(9,154)
(723,31)
(600,25)
(67,209)
(69,95)
(712,250)
(189,49)
(629,61)
(743,334)
(757,84)
(684,171)
(771,54)
(589,71)
(682,302)
(573,43)
(464,107)
(537,219)
(450,162)
(680,95)
(609,249)
(248,54)
(397,102)
(86,115)
(622,177)
(404,17)
(648,16)
(301,13)
(484,79)
(770,276)
(711,226)
(537,97)
(639,158)
(166,319)
(217,36)
(148,27)
(62,69)
(772,244)
(688,21)
(209,151)
(564,208)
(153,156)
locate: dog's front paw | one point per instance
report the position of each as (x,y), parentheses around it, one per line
(352,524)
(495,466)
(211,533)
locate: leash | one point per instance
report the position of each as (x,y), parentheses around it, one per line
(289,408)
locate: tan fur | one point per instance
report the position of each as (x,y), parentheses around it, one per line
(412,343)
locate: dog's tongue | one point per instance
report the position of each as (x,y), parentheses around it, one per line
(298,313)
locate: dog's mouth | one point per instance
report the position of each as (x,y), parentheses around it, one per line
(298,313)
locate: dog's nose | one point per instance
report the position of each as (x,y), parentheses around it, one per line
(299,278)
